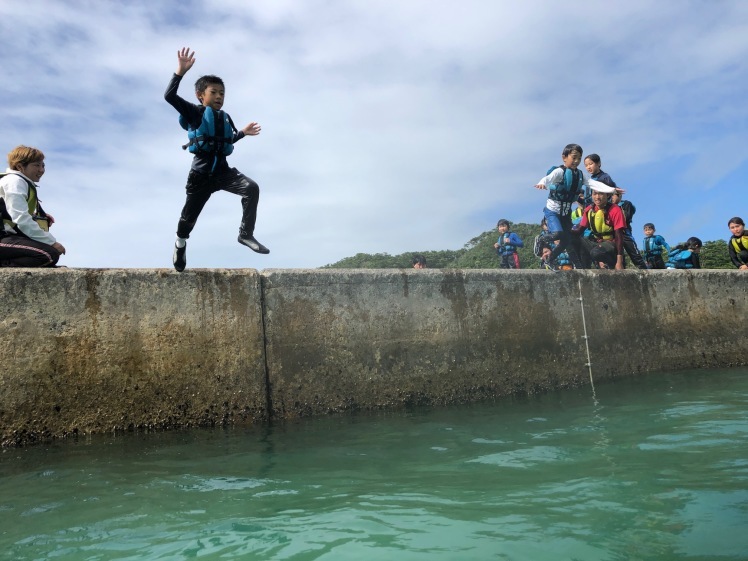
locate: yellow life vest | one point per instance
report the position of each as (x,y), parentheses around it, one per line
(741,243)
(35,209)
(597,221)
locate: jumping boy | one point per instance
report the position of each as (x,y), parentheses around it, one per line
(211,136)
(507,246)
(565,184)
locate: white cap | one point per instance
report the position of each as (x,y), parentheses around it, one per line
(601,187)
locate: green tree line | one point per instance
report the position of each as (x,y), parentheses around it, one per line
(479,253)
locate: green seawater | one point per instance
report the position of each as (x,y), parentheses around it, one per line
(652,467)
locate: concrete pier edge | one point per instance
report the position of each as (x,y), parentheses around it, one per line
(91,351)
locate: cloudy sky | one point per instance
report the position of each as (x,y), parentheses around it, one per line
(387,126)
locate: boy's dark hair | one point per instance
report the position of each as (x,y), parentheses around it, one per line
(204,81)
(594,157)
(503,222)
(648,225)
(420,260)
(736,220)
(569,148)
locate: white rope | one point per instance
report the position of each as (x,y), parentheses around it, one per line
(586,341)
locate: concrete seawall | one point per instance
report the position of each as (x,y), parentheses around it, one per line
(94,351)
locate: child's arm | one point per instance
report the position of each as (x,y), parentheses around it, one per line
(733,254)
(516,241)
(663,243)
(550,179)
(186,60)
(190,111)
(252,129)
(618,240)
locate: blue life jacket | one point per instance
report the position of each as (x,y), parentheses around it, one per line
(505,248)
(653,245)
(214,135)
(680,259)
(568,190)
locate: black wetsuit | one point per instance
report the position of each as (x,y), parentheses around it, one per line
(210,173)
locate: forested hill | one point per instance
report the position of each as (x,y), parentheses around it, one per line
(479,253)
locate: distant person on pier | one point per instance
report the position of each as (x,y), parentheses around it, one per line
(25,240)
(685,255)
(506,246)
(419,262)
(560,263)
(592,164)
(738,244)
(629,243)
(543,248)
(653,246)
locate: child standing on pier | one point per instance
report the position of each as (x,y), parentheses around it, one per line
(653,246)
(507,245)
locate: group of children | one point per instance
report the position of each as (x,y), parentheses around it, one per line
(594,235)
(597,233)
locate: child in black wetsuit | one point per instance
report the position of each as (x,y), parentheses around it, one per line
(212,136)
(738,244)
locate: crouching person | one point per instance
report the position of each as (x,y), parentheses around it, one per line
(607,225)
(25,240)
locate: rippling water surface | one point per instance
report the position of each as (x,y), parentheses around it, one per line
(655,467)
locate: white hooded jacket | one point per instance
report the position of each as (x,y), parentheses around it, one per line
(14,190)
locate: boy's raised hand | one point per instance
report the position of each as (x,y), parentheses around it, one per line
(252,129)
(186,60)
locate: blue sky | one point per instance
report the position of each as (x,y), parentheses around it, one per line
(386,126)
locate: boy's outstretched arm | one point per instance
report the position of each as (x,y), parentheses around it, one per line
(186,60)
(252,129)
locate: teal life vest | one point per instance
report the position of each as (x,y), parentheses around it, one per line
(652,246)
(680,259)
(568,190)
(215,134)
